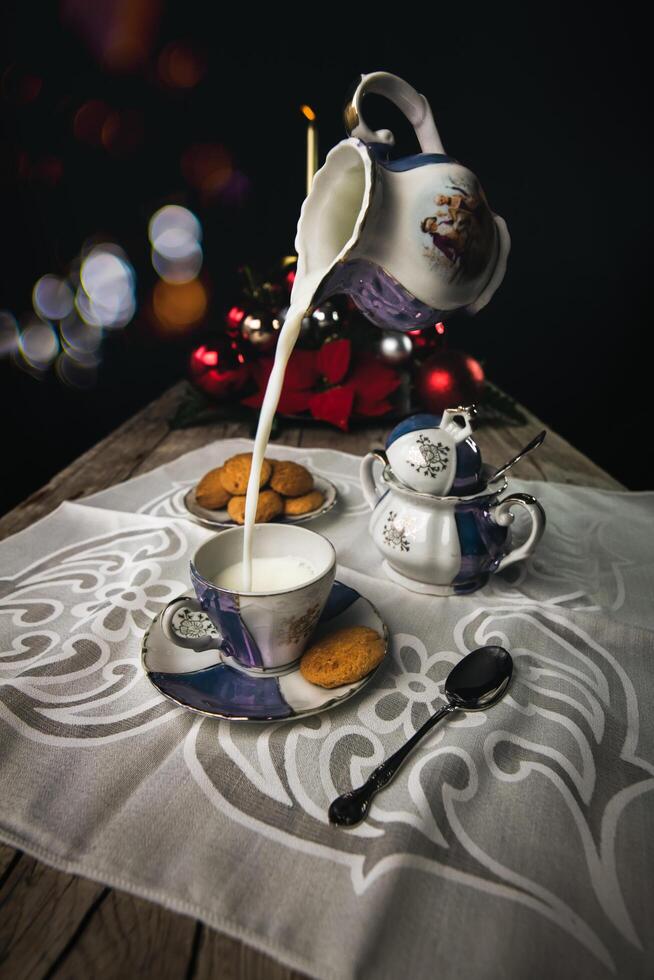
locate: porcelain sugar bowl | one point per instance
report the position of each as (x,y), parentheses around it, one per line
(444,543)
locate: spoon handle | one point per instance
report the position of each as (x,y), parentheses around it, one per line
(534,444)
(351,808)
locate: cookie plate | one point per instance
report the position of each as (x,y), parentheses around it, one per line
(201,681)
(221,519)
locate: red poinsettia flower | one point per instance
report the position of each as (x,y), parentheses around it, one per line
(317,381)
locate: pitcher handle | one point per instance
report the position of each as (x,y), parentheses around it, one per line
(371,491)
(503,515)
(414,106)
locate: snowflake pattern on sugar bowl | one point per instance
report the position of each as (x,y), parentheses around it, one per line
(436,454)
(394,532)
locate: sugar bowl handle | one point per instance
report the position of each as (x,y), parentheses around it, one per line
(371,491)
(502,514)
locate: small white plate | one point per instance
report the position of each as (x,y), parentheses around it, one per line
(221,519)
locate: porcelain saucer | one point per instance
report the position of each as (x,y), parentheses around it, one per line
(201,681)
(221,519)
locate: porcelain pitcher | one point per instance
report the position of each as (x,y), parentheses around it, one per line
(410,239)
(445,545)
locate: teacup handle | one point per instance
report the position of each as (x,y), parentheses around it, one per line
(371,491)
(190,642)
(503,515)
(414,106)
(457,431)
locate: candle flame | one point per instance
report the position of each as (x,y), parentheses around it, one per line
(308,113)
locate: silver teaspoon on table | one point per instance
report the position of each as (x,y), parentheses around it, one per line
(477,682)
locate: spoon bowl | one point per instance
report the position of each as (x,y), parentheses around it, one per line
(480,679)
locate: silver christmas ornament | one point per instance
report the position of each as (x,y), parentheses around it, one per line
(394,347)
(260,330)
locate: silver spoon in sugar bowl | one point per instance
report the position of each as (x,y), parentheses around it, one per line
(529,448)
(477,682)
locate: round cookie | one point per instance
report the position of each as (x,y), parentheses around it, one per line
(236,473)
(294,506)
(342,657)
(210,492)
(269,505)
(290,479)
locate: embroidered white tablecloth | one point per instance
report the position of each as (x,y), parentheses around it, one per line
(514,843)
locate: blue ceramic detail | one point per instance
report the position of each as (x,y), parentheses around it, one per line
(222,608)
(381,153)
(482,542)
(340,598)
(468,457)
(383,496)
(414,423)
(222,690)
(381,298)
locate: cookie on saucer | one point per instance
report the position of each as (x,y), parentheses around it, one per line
(236,473)
(343,657)
(210,492)
(269,505)
(295,506)
(290,479)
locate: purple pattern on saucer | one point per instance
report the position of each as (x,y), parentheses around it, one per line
(222,690)
(379,297)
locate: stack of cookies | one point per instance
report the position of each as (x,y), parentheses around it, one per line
(286,489)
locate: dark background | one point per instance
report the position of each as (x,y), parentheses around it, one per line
(550,111)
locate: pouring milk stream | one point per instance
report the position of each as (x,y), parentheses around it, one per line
(410,241)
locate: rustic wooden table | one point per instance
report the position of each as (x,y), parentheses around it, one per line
(56,924)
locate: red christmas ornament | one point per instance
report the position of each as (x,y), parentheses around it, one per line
(219,368)
(448,378)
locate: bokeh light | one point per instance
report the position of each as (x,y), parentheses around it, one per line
(178,270)
(122,132)
(207,167)
(175,235)
(19,86)
(52,298)
(39,345)
(179,307)
(89,121)
(81,341)
(8,333)
(106,295)
(174,231)
(181,66)
(74,373)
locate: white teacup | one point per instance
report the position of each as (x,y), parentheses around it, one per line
(257,631)
(425,459)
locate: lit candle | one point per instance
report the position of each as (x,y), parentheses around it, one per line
(312,144)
